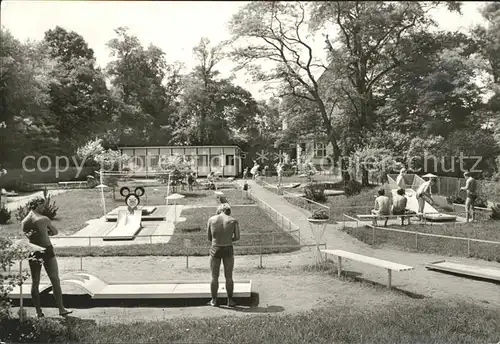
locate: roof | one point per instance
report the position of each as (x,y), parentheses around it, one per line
(206,146)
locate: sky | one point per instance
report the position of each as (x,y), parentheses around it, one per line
(174,26)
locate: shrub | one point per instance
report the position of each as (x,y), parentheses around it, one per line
(320,214)
(315,192)
(495,212)
(5,215)
(48,208)
(481,202)
(352,187)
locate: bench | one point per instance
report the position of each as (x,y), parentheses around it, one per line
(69,184)
(389,266)
(387,217)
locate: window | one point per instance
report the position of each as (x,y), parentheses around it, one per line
(202,160)
(229,160)
(215,161)
(320,149)
(153,161)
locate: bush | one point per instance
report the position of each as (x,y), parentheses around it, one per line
(495,212)
(320,214)
(352,187)
(481,202)
(5,215)
(48,208)
(315,192)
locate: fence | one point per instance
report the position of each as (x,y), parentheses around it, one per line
(416,234)
(279,219)
(450,186)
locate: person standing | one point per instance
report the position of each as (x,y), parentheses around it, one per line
(400,180)
(423,194)
(471,190)
(222,231)
(38,229)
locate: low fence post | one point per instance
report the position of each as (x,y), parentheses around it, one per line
(151,245)
(373,235)
(260,256)
(81,263)
(90,245)
(416,240)
(468,247)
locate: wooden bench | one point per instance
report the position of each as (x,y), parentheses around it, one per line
(389,266)
(69,184)
(387,217)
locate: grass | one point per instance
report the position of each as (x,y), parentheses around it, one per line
(76,207)
(361,203)
(255,225)
(416,321)
(487,230)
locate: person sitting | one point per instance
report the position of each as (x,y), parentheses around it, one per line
(382,206)
(399,204)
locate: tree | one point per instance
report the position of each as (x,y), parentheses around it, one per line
(79,96)
(24,100)
(144,91)
(275,32)
(213,110)
(367,46)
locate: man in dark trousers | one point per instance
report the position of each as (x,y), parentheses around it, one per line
(471,189)
(222,231)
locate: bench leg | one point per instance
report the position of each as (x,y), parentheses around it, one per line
(389,275)
(339,263)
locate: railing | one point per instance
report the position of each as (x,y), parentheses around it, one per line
(279,219)
(417,234)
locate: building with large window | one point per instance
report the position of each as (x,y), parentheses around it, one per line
(223,160)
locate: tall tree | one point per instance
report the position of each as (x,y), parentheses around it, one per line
(276,32)
(79,97)
(26,73)
(213,110)
(365,46)
(145,88)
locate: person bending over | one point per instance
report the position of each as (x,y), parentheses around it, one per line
(222,230)
(38,229)
(423,194)
(382,206)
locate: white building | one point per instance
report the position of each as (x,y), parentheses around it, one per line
(223,160)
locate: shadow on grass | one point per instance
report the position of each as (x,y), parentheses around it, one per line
(355,277)
(84,301)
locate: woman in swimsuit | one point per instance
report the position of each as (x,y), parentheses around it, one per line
(38,229)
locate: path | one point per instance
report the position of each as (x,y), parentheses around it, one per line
(419,281)
(22,200)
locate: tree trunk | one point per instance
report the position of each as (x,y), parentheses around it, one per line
(364,178)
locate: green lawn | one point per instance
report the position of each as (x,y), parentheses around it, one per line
(78,206)
(256,229)
(415,321)
(361,203)
(488,230)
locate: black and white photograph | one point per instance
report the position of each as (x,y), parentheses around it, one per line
(250,172)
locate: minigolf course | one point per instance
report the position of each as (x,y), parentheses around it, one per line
(488,273)
(99,289)
(430,213)
(128,224)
